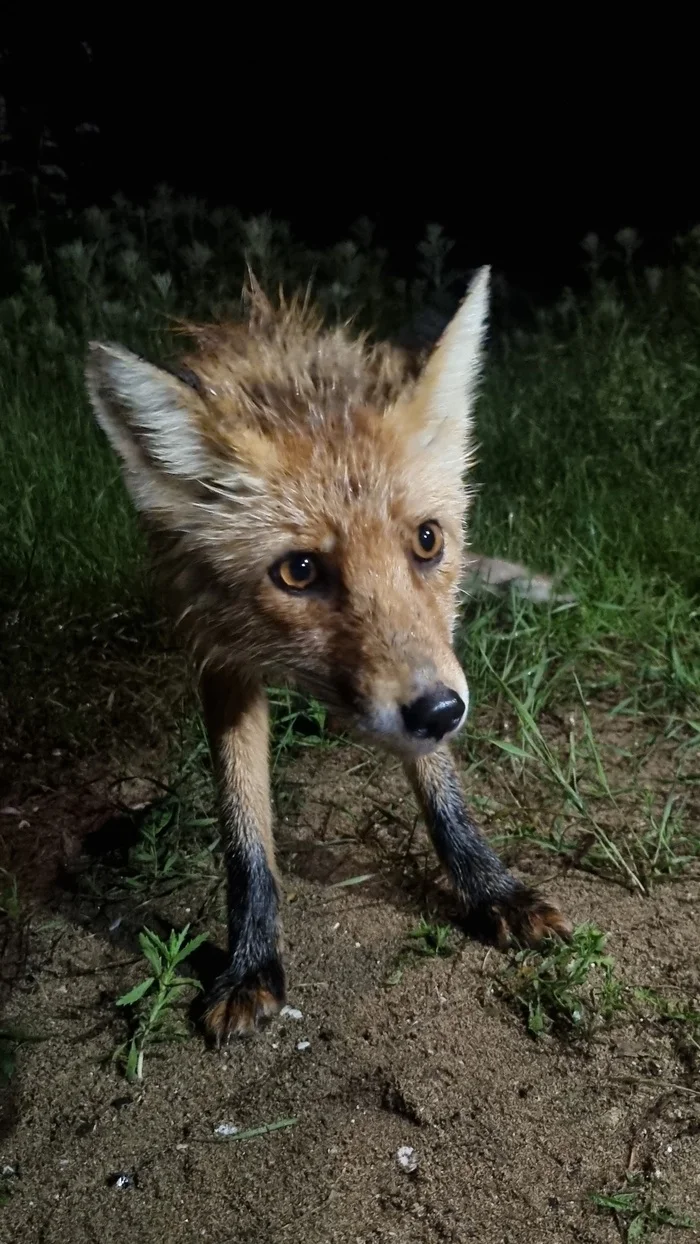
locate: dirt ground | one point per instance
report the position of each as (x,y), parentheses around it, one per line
(511,1136)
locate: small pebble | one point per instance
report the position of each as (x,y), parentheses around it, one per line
(406,1158)
(122,1179)
(226,1129)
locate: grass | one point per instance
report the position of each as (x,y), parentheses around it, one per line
(678,1017)
(429,940)
(153,1000)
(263,1129)
(668,846)
(175,840)
(171,841)
(10,907)
(572,990)
(588,387)
(566,988)
(635,1213)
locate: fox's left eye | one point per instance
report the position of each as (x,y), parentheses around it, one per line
(295,572)
(428,542)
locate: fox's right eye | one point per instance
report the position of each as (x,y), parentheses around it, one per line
(295,572)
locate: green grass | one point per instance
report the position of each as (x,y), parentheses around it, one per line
(589,441)
(677,1017)
(565,988)
(431,939)
(10,907)
(636,1213)
(263,1129)
(171,842)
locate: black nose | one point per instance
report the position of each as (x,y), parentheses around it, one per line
(434,714)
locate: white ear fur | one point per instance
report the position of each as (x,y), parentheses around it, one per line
(445,391)
(144,412)
(459,353)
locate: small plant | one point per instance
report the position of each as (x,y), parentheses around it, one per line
(431,939)
(668,848)
(676,1010)
(159,856)
(171,842)
(155,997)
(296,721)
(9,896)
(681,1018)
(428,940)
(636,1215)
(569,986)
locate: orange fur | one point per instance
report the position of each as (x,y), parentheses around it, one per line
(306,439)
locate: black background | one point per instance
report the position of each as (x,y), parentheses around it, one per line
(517,160)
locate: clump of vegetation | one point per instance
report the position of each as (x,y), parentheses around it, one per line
(679,1017)
(431,939)
(167,843)
(568,988)
(155,998)
(296,721)
(635,1212)
(9,896)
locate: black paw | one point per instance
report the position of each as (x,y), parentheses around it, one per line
(523,916)
(236,1006)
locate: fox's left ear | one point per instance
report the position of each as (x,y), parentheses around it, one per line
(439,411)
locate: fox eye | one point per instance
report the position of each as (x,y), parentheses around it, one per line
(428,542)
(295,572)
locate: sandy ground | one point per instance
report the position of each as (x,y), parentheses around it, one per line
(510,1136)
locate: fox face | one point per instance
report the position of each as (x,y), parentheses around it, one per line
(305,500)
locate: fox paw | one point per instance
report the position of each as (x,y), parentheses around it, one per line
(525,917)
(239,1006)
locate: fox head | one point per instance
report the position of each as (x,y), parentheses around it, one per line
(305,498)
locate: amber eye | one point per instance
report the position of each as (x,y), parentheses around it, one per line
(295,572)
(428,542)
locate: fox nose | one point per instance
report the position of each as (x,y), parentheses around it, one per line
(434,714)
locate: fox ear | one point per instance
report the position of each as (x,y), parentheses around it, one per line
(440,408)
(149,415)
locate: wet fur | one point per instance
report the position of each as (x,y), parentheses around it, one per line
(275,435)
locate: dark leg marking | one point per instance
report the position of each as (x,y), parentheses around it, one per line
(252,988)
(498,905)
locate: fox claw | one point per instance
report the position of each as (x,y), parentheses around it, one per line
(239,1008)
(523,917)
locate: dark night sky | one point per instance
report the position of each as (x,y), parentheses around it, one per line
(517,176)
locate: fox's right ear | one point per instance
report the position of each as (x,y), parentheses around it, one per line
(149,415)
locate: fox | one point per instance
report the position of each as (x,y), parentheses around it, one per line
(304,490)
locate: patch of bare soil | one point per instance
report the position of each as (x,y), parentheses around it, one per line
(510,1136)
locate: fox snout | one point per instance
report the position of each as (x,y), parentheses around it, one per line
(412,715)
(435,714)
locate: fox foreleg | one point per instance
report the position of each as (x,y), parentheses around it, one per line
(496,902)
(252,988)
